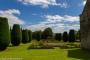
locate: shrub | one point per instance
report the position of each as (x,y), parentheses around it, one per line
(4,33)
(65,36)
(16,35)
(71,36)
(25,36)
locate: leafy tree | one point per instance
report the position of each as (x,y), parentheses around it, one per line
(25,36)
(47,33)
(4,33)
(16,35)
(30,35)
(71,36)
(65,36)
(58,36)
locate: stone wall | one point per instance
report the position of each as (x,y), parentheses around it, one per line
(85,26)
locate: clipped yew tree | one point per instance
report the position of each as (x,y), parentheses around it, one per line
(65,36)
(72,36)
(25,36)
(38,35)
(30,35)
(16,35)
(58,36)
(4,33)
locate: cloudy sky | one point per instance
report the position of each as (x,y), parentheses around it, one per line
(60,15)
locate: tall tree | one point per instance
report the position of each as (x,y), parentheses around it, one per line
(4,33)
(47,33)
(58,36)
(16,35)
(78,35)
(30,35)
(71,36)
(65,36)
(38,35)
(25,36)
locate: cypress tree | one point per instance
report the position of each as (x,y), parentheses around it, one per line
(16,35)
(25,36)
(65,36)
(4,33)
(71,36)
(38,35)
(30,35)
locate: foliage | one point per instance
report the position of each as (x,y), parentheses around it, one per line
(71,36)
(30,35)
(65,36)
(25,36)
(38,35)
(78,35)
(16,35)
(4,33)
(47,33)
(39,45)
(58,36)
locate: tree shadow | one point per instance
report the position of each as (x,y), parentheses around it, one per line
(79,54)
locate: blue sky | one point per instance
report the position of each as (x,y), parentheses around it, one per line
(60,15)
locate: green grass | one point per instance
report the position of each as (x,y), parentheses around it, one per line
(44,54)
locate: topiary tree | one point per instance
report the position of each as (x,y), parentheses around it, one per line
(71,36)
(65,36)
(16,35)
(38,35)
(47,33)
(4,33)
(58,36)
(30,35)
(78,35)
(25,36)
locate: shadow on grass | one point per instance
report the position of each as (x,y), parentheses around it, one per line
(79,54)
(40,48)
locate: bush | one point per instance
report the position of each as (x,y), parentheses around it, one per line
(58,36)
(4,33)
(39,45)
(16,35)
(25,36)
(71,36)
(65,36)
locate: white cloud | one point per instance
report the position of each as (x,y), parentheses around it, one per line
(58,18)
(12,18)
(43,3)
(55,18)
(71,18)
(56,22)
(84,2)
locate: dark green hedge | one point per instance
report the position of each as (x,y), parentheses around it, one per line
(16,35)
(4,33)
(25,36)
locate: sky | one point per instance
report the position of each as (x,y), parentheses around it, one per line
(60,15)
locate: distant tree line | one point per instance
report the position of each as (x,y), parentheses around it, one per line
(17,35)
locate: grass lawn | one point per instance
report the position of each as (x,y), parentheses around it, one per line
(23,53)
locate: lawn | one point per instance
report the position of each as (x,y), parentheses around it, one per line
(22,53)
